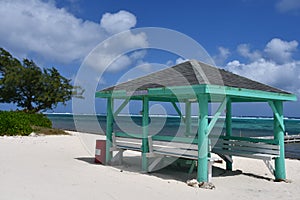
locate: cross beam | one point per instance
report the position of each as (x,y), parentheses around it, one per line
(216,116)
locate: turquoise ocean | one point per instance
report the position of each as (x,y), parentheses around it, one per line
(170,125)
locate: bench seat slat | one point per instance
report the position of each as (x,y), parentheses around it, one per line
(178,153)
(249,144)
(243,154)
(129,145)
(132,140)
(175,145)
(248,149)
(234,147)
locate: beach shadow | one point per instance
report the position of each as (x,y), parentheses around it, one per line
(90,160)
(170,172)
(258,177)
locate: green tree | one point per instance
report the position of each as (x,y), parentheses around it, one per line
(30,87)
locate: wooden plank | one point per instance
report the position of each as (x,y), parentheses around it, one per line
(126,147)
(248,144)
(249,149)
(243,154)
(129,144)
(267,141)
(175,144)
(179,154)
(159,137)
(132,140)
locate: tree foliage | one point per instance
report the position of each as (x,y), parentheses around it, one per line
(20,123)
(30,87)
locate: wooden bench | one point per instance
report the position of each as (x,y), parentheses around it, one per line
(247,147)
(126,143)
(226,146)
(159,149)
(263,149)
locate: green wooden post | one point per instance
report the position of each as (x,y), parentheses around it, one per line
(279,135)
(145,147)
(228,127)
(109,128)
(202,170)
(188,119)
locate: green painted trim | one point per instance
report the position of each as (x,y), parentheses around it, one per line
(188,92)
(254,94)
(276,115)
(188,118)
(121,107)
(280,173)
(228,121)
(191,140)
(145,146)
(216,116)
(202,168)
(188,140)
(109,129)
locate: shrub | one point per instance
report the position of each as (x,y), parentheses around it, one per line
(20,123)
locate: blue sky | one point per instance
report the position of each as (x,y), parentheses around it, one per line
(254,38)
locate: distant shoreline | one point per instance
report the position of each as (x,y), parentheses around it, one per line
(175,116)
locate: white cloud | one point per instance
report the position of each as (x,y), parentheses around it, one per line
(288,5)
(110,55)
(281,51)
(180,60)
(118,22)
(119,64)
(244,50)
(170,63)
(275,68)
(38,28)
(222,55)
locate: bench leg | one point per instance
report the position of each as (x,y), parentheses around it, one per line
(154,163)
(229,163)
(210,164)
(269,166)
(118,158)
(192,166)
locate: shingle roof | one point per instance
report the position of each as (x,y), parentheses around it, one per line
(192,72)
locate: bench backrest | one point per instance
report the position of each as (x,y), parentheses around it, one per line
(226,146)
(176,149)
(127,143)
(250,149)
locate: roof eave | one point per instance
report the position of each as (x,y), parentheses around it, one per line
(189,92)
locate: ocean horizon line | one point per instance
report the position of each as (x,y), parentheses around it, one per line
(169,115)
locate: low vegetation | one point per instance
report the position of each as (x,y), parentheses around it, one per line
(21,123)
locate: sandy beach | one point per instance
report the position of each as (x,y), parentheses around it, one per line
(61,167)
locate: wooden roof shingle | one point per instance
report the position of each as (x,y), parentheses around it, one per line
(192,72)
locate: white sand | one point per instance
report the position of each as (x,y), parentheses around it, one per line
(60,167)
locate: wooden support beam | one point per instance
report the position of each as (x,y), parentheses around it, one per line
(109,129)
(145,146)
(178,111)
(188,118)
(276,115)
(228,129)
(216,116)
(202,168)
(279,135)
(121,107)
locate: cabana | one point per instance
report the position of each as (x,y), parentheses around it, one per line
(197,82)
